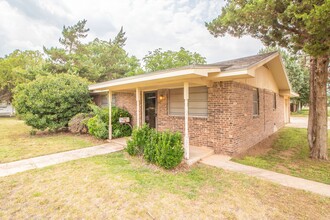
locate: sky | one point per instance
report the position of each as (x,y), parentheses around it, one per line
(149,24)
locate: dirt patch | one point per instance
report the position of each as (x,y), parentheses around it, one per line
(282,169)
(288,153)
(260,148)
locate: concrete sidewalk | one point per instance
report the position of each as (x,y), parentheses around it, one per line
(300,122)
(7,169)
(224,162)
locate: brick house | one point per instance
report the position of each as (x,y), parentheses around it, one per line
(228,106)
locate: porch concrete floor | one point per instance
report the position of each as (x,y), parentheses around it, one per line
(198,153)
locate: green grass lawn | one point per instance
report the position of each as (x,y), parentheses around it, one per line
(289,154)
(117,186)
(304,113)
(16,143)
(301,113)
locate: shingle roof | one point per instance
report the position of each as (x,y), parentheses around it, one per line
(241,63)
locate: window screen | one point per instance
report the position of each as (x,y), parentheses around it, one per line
(197,101)
(105,99)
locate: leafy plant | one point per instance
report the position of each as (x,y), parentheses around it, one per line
(162,148)
(98,126)
(151,146)
(140,138)
(169,151)
(119,130)
(49,102)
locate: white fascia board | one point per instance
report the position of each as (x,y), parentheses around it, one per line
(231,73)
(150,77)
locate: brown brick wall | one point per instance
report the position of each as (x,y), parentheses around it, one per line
(127,101)
(198,126)
(230,127)
(248,130)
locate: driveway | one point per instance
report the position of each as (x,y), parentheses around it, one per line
(300,122)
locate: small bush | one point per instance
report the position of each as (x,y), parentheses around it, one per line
(119,130)
(78,124)
(98,125)
(162,148)
(169,151)
(140,137)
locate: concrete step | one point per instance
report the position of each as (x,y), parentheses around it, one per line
(198,153)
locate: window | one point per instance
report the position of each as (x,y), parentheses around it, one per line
(197,101)
(105,100)
(255,102)
(274,102)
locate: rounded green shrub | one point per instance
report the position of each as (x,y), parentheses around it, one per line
(169,151)
(49,102)
(98,125)
(162,148)
(119,130)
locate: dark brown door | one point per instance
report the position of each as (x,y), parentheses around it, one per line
(150,105)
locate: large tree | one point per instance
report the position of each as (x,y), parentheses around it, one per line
(97,60)
(16,68)
(160,60)
(297,25)
(296,70)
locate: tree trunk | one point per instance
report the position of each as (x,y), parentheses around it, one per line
(318,114)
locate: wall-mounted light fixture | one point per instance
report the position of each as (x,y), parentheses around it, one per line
(161,97)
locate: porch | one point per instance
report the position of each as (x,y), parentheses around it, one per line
(145,96)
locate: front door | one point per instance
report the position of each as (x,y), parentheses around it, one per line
(150,106)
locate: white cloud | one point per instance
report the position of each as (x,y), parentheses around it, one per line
(169,24)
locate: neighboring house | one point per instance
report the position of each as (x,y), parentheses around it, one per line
(228,106)
(6,109)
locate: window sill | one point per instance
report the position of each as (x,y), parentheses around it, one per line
(190,116)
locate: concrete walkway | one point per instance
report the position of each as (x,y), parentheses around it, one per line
(7,169)
(300,122)
(282,179)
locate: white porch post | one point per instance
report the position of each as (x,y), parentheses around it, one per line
(110,108)
(138,98)
(186,110)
